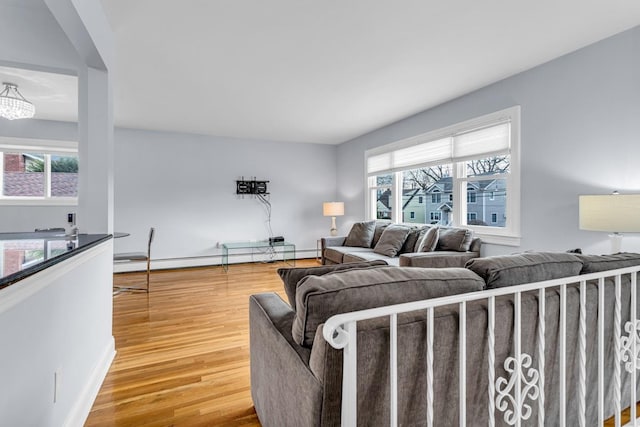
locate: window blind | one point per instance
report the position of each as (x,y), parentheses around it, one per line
(484,142)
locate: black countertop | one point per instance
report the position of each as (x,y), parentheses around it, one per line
(24,254)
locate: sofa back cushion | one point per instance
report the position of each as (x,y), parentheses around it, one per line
(361,234)
(411,241)
(392,239)
(292,276)
(528,267)
(320,297)
(598,263)
(454,239)
(429,241)
(381,224)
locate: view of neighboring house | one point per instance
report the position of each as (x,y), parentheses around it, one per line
(24,175)
(486,203)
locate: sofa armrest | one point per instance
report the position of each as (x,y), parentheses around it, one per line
(437,259)
(280,367)
(333,241)
(325,242)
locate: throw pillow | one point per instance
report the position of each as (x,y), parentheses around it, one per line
(392,239)
(380,226)
(454,239)
(529,267)
(292,276)
(320,297)
(411,240)
(429,240)
(361,234)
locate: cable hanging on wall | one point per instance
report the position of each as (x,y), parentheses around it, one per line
(258,189)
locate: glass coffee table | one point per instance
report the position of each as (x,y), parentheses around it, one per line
(285,251)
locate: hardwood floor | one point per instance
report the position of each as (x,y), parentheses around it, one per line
(183,349)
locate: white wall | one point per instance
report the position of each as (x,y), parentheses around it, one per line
(184,186)
(56,323)
(580,135)
(32,37)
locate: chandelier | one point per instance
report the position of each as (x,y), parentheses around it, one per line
(13,105)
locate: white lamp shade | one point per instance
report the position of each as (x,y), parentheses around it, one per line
(617,213)
(333,208)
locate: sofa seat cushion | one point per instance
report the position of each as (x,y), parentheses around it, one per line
(598,263)
(320,297)
(336,253)
(291,276)
(528,267)
(361,256)
(437,259)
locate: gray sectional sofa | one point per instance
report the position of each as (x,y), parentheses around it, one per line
(296,375)
(406,245)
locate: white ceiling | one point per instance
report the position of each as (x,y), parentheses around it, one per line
(327,71)
(55,96)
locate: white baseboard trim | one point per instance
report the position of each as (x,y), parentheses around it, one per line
(80,410)
(204,261)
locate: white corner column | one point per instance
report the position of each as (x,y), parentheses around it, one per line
(95,150)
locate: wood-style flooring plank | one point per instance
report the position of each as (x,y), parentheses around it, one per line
(183,350)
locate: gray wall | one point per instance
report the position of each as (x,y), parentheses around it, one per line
(184,185)
(32,36)
(580,135)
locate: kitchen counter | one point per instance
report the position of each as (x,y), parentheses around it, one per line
(24,254)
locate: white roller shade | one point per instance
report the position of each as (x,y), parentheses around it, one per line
(438,151)
(379,163)
(483,142)
(473,144)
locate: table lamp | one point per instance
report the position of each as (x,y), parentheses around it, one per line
(333,209)
(615,213)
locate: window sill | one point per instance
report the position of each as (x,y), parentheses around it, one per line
(40,202)
(502,240)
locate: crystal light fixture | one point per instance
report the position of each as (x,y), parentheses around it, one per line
(13,105)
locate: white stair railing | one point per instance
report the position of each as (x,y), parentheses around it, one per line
(512,397)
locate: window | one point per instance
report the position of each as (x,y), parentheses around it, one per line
(412,215)
(38,172)
(470,171)
(380,195)
(471,196)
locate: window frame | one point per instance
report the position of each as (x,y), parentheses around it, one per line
(48,148)
(509,234)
